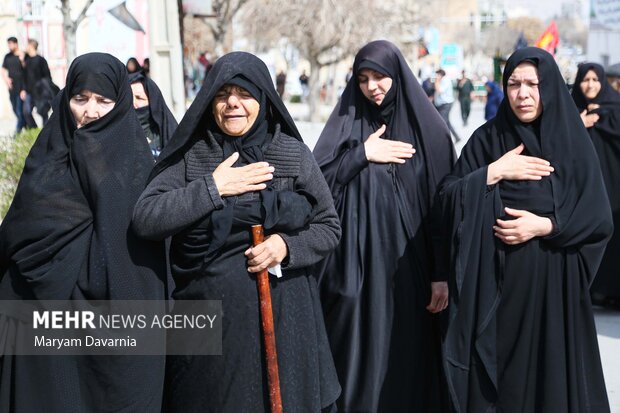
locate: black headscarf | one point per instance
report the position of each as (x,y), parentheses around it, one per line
(198,117)
(159,112)
(573,196)
(282,210)
(138,68)
(67,231)
(606,96)
(410,118)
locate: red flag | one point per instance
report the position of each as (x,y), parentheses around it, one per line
(550,39)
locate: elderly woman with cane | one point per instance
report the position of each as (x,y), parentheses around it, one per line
(237,160)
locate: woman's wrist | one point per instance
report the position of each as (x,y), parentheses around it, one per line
(546,227)
(493,175)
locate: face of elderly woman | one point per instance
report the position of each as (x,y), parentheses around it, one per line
(590,85)
(523,93)
(88,106)
(374,85)
(235,110)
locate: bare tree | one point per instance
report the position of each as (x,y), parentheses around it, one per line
(502,39)
(70,27)
(323,31)
(573,31)
(220,23)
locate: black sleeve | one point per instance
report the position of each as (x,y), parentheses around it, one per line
(169,204)
(313,243)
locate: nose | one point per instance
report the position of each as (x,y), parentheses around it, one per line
(91,110)
(523,91)
(372,84)
(232,101)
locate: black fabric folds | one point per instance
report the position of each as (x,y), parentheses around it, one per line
(67,236)
(159,111)
(605,135)
(521,334)
(375,286)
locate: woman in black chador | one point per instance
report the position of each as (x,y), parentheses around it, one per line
(67,236)
(156,119)
(527,218)
(599,106)
(235,160)
(383,151)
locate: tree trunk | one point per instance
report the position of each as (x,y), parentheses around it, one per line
(69,33)
(314,97)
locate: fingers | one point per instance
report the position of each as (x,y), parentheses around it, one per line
(518,149)
(230,161)
(434,304)
(439,297)
(268,254)
(516,212)
(379,131)
(537,161)
(253,174)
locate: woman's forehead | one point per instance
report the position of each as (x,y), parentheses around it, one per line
(90,93)
(525,70)
(232,88)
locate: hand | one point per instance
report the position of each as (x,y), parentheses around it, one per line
(386,151)
(22,95)
(514,166)
(236,181)
(267,254)
(439,297)
(522,229)
(9,82)
(589,119)
(593,106)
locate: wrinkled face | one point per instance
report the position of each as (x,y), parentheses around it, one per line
(523,93)
(140,98)
(374,85)
(590,85)
(235,110)
(88,106)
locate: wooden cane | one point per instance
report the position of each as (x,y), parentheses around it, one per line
(269,336)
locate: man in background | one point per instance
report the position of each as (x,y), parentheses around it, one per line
(39,86)
(13,75)
(444,98)
(466,91)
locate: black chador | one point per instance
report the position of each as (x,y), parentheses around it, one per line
(156,119)
(605,136)
(521,334)
(67,236)
(376,285)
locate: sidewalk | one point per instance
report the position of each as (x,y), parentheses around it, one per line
(7,126)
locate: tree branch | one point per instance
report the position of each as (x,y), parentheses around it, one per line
(82,14)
